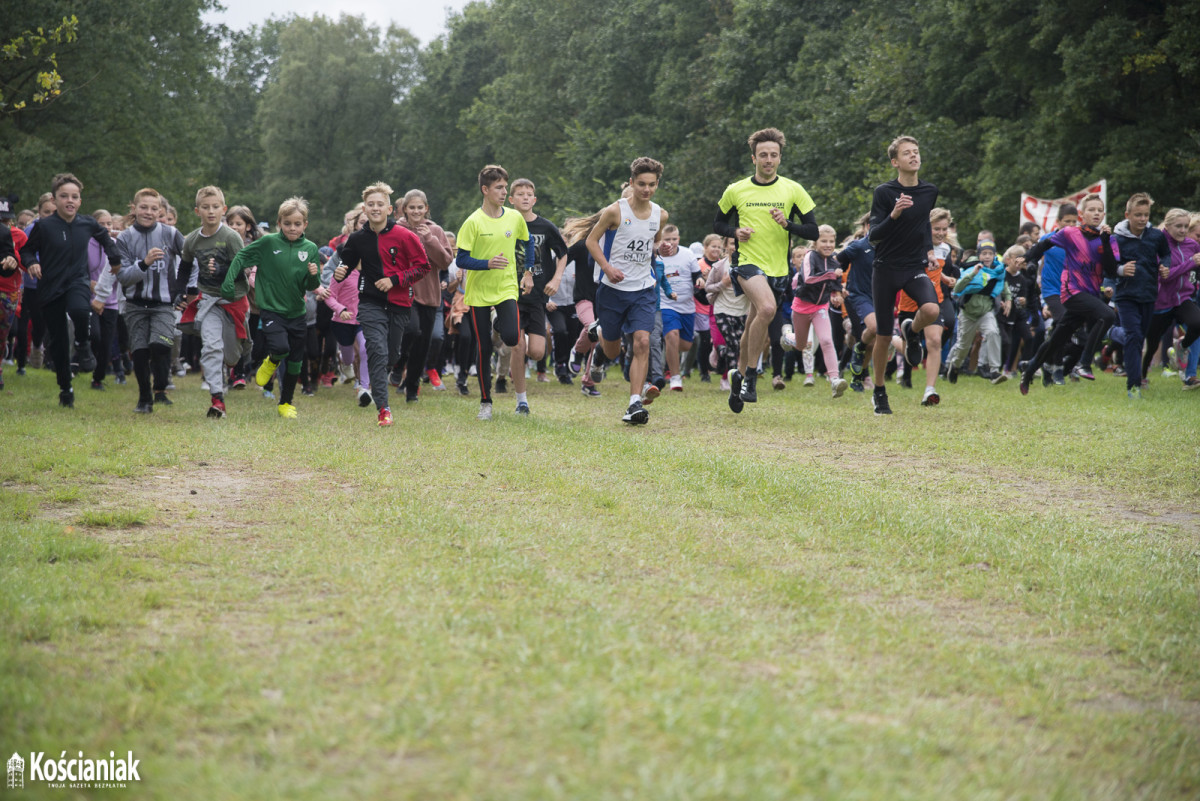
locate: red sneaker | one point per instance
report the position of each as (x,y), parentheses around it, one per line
(327,380)
(385,417)
(435,380)
(217,410)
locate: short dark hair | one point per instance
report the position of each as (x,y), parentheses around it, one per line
(894,147)
(1067,209)
(491,174)
(766,135)
(62,179)
(517,184)
(645,164)
(1027,227)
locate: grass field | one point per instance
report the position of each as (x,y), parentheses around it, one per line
(998,598)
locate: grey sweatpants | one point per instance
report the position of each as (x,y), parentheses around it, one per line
(219,343)
(657,361)
(383,329)
(989,351)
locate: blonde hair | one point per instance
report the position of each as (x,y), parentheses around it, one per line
(1138,199)
(207,191)
(293,205)
(1194,220)
(939,214)
(1016,251)
(379,187)
(708,240)
(826,229)
(1088,198)
(1174,214)
(576,228)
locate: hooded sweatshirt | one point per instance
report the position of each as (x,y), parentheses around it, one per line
(1149,249)
(159,282)
(1180,283)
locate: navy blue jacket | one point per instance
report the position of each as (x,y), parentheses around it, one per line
(1148,250)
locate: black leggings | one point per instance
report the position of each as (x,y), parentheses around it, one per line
(75,303)
(414,350)
(103,332)
(1019,337)
(1079,309)
(565,327)
(31,317)
(1187,313)
(508,325)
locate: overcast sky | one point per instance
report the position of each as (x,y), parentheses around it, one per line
(427,20)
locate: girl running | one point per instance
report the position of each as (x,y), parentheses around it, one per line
(819,279)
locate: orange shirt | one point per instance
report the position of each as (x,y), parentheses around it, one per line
(907,304)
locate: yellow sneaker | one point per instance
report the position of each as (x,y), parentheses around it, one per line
(265,371)
(287,411)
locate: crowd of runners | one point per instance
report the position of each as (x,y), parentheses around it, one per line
(396,303)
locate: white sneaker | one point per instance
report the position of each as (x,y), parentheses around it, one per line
(787,338)
(204,386)
(839,386)
(485,412)
(809,381)
(677,383)
(724,384)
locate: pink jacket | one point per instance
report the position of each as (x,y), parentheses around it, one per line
(343,296)
(1178,286)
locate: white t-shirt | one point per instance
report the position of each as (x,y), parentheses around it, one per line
(682,272)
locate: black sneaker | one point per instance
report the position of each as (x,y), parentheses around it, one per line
(912,344)
(735,392)
(1047,375)
(66,399)
(593,331)
(462,387)
(162,399)
(87,361)
(98,385)
(997,377)
(523,408)
(705,378)
(881,401)
(1058,376)
(144,407)
(857,385)
(501,386)
(906,379)
(410,396)
(952,375)
(750,387)
(856,360)
(636,414)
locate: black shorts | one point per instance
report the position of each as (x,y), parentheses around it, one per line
(858,309)
(284,335)
(532,313)
(886,283)
(778,283)
(344,333)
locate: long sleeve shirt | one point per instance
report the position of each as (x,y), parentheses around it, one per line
(61,248)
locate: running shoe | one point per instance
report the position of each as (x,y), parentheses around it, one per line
(85,358)
(66,399)
(326,380)
(411,395)
(435,380)
(735,392)
(1134,393)
(144,407)
(952,374)
(217,410)
(931,397)
(485,412)
(576,362)
(1058,376)
(677,383)
(161,399)
(649,393)
(1191,383)
(542,378)
(881,401)
(98,385)
(287,411)
(589,390)
(239,383)
(839,386)
(724,384)
(857,385)
(636,414)
(462,388)
(787,338)
(593,331)
(523,408)
(268,394)
(364,397)
(778,383)
(264,372)
(857,353)
(912,344)
(750,387)
(809,380)
(501,386)
(1080,372)
(1024,385)
(385,418)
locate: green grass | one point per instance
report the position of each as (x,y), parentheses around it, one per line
(997,598)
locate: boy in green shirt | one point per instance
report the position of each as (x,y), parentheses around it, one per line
(288,266)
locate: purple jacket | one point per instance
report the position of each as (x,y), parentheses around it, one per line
(97,267)
(1180,283)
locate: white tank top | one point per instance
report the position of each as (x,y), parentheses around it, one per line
(630,248)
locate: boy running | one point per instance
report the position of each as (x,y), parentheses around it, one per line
(392,259)
(760,212)
(537,284)
(626,298)
(487,250)
(288,267)
(903,240)
(57,256)
(222,322)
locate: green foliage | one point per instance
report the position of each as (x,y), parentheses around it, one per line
(24,66)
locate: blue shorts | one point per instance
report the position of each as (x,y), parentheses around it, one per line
(621,312)
(685,324)
(859,307)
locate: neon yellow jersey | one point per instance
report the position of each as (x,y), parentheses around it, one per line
(484,237)
(767,247)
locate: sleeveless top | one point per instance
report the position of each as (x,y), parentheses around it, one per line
(630,248)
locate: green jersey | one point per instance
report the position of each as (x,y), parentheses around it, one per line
(484,237)
(283,276)
(767,247)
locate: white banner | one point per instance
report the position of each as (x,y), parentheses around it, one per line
(1045,212)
